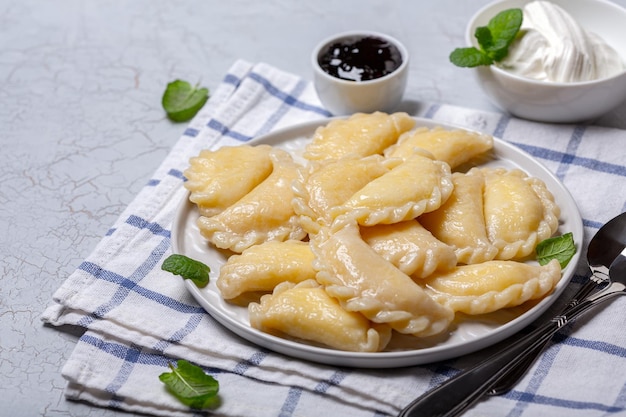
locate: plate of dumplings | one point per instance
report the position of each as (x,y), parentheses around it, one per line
(377,240)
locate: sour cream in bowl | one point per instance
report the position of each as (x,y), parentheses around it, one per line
(567,65)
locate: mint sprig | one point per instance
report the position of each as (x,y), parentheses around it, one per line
(181,101)
(187,268)
(190,385)
(493,40)
(561,248)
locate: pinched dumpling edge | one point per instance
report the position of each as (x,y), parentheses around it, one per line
(464,144)
(332,142)
(410,247)
(548,225)
(463,210)
(210,167)
(216,229)
(516,294)
(262,267)
(370,168)
(364,281)
(407,207)
(365,336)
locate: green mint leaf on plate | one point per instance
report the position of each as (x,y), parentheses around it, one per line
(182,101)
(190,385)
(561,248)
(187,268)
(493,40)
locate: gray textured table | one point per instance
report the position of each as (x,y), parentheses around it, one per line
(82,129)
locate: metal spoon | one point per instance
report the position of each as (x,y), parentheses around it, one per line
(603,248)
(460,392)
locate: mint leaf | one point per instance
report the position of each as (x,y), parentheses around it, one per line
(181,101)
(484,37)
(561,248)
(187,268)
(190,385)
(503,27)
(469,57)
(493,40)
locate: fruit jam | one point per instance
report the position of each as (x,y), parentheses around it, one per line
(360,59)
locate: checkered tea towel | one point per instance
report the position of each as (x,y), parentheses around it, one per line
(138,318)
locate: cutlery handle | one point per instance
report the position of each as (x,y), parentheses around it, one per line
(509,379)
(463,390)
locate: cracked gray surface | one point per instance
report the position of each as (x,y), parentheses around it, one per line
(82,130)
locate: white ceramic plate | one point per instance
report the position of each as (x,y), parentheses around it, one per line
(467,335)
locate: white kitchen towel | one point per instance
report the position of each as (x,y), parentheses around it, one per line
(139,318)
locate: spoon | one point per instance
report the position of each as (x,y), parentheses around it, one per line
(460,392)
(602,250)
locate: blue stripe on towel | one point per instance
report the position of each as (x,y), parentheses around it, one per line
(232,80)
(256,358)
(143,224)
(594,345)
(128,284)
(589,163)
(124,373)
(121,351)
(180,334)
(281,111)
(288,99)
(176,174)
(334,380)
(225,131)
(592,224)
(191,132)
(503,123)
(525,397)
(172,172)
(133,353)
(572,147)
(431,111)
(291,402)
(99,273)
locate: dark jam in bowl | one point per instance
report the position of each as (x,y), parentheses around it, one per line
(360,59)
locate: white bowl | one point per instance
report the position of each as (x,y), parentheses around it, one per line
(557,102)
(343,97)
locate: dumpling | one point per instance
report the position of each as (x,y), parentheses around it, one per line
(456,146)
(359,135)
(519,212)
(264,214)
(410,248)
(364,282)
(414,186)
(460,221)
(217,179)
(489,286)
(305,311)
(262,267)
(327,184)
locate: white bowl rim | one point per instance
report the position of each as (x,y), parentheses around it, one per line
(469,36)
(354,33)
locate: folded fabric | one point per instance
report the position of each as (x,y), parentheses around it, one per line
(139,318)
